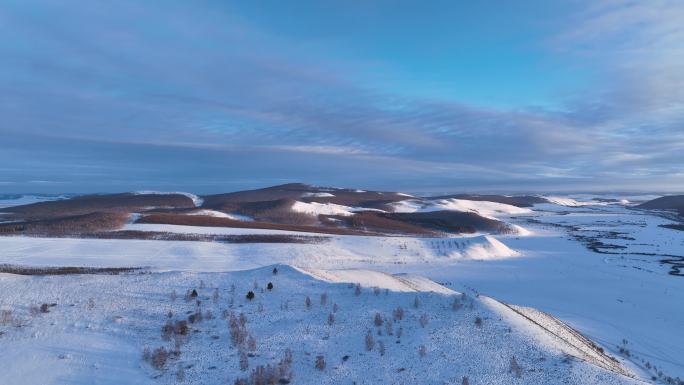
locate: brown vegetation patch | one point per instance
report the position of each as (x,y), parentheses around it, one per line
(69,225)
(127,202)
(63,270)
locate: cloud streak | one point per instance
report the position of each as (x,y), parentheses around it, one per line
(191,95)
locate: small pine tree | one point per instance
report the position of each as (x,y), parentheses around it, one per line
(377,320)
(331,319)
(250,295)
(320,363)
(307,302)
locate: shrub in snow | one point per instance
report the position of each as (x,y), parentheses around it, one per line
(250,295)
(370,342)
(381,348)
(398,314)
(275,270)
(357,289)
(456,305)
(91,303)
(514,368)
(423,320)
(422,351)
(376,290)
(307,302)
(167,331)
(320,362)
(173,295)
(324,299)
(269,286)
(35,309)
(465,381)
(377,320)
(159,357)
(193,293)
(388,327)
(215,296)
(331,319)
(180,374)
(251,343)
(208,314)
(334,308)
(478,322)
(181,328)
(44,308)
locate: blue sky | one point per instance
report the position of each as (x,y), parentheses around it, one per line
(210,96)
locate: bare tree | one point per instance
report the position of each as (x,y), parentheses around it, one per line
(244,363)
(377,320)
(514,368)
(423,320)
(388,327)
(370,342)
(398,314)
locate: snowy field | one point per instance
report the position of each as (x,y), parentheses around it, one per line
(604,269)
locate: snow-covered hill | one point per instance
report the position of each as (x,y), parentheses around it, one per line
(110,329)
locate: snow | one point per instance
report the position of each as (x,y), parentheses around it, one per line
(492,210)
(316,209)
(100,325)
(6,201)
(551,279)
(318,195)
(220,214)
(195,199)
(337,252)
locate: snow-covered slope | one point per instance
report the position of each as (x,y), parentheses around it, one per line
(486,209)
(100,326)
(195,199)
(336,252)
